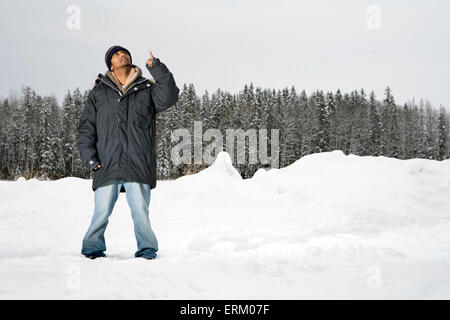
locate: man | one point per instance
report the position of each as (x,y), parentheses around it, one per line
(117,142)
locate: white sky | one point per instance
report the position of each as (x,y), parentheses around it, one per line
(308,44)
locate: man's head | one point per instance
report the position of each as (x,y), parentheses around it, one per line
(117,57)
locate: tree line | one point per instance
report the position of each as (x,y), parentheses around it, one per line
(38,137)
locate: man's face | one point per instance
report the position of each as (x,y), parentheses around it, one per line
(120,59)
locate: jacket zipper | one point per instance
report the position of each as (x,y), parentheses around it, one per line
(120,93)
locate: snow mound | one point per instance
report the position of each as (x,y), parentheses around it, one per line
(372,194)
(222,166)
(221,170)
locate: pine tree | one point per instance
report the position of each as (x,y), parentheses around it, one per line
(332,121)
(299,115)
(419,139)
(51,153)
(28,134)
(430,136)
(373,125)
(406,133)
(68,138)
(294,127)
(47,157)
(340,120)
(386,124)
(348,105)
(7,128)
(321,137)
(442,134)
(359,138)
(255,122)
(164,126)
(308,124)
(395,133)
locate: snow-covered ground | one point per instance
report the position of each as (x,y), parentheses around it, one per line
(329,226)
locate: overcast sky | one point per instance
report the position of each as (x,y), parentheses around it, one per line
(274,44)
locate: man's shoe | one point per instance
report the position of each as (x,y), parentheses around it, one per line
(95,255)
(147,253)
(147,257)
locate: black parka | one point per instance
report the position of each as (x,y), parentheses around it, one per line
(118,130)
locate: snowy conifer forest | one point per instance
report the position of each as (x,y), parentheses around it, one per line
(38,136)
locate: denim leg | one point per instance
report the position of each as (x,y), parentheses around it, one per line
(105,199)
(138,197)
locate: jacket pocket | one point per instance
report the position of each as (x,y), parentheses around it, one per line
(141,120)
(140,140)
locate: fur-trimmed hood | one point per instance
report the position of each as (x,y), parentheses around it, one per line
(135,72)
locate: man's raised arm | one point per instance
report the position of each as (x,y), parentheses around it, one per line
(164,91)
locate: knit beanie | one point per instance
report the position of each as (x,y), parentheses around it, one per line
(111,51)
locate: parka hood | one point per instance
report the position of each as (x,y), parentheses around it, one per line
(135,73)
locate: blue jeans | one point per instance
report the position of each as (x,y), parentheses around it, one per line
(138,198)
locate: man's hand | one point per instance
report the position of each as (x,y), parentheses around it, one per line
(97,167)
(150,60)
